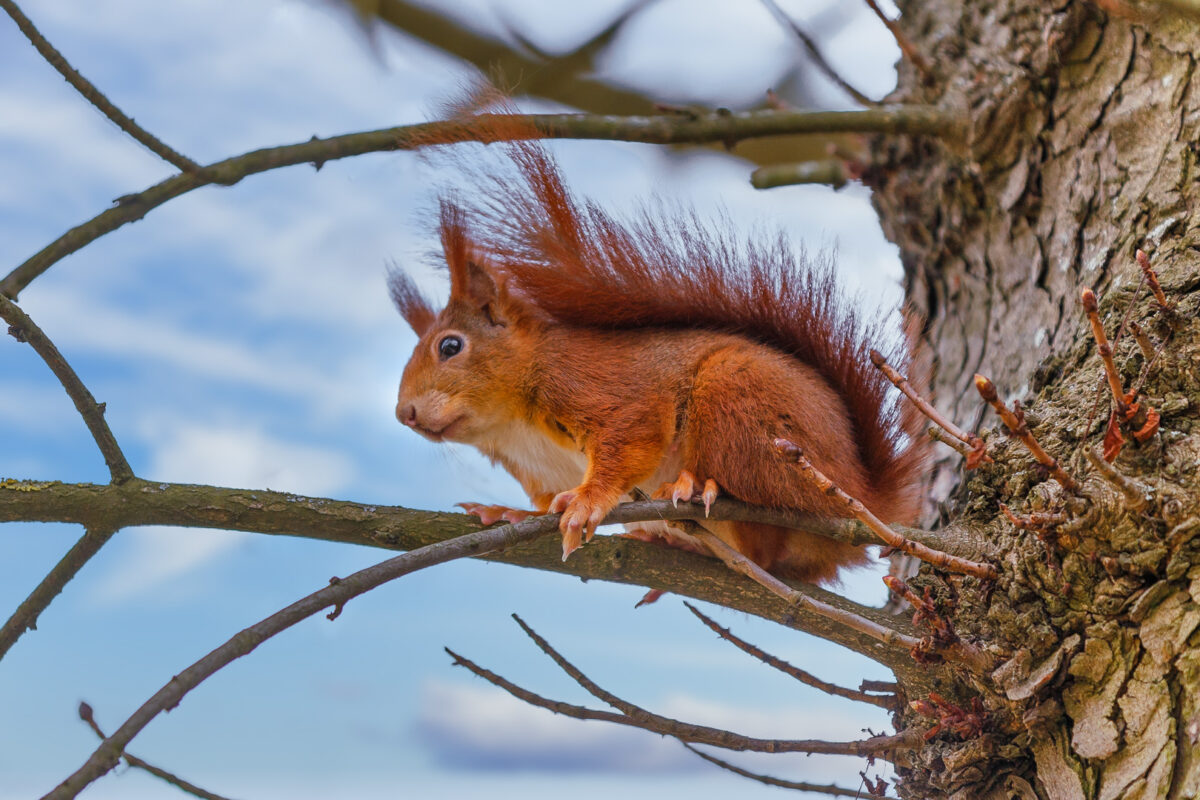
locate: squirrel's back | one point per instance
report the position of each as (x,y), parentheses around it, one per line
(581,266)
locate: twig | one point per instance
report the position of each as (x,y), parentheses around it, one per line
(714,736)
(939,435)
(883,701)
(109,752)
(694,733)
(1125,405)
(887,687)
(891,538)
(94,95)
(1151,277)
(945,642)
(740,563)
(1143,342)
(660,129)
(976,455)
(85,714)
(26,616)
(1137,495)
(23,329)
(1016,424)
(830,172)
(814,53)
(800,786)
(906,46)
(1091,309)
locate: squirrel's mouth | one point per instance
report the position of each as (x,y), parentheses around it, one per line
(444,432)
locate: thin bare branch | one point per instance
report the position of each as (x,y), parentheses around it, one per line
(26,616)
(85,714)
(336,594)
(563,79)
(800,786)
(829,172)
(906,46)
(814,53)
(1091,309)
(889,537)
(845,617)
(694,733)
(94,95)
(939,435)
(661,129)
(883,701)
(977,452)
(1016,424)
(703,734)
(1148,273)
(23,329)
(1144,343)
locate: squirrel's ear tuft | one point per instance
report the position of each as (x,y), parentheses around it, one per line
(412,304)
(472,283)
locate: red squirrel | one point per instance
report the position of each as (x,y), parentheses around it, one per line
(590,355)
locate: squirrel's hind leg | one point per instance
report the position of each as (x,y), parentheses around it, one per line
(684,488)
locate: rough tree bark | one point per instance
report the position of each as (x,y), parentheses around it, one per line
(1081,149)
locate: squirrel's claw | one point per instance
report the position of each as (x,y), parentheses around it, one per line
(650,597)
(489,514)
(582,513)
(684,488)
(711,490)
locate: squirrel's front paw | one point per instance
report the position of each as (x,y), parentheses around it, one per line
(582,510)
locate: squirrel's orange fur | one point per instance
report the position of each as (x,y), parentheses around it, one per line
(598,355)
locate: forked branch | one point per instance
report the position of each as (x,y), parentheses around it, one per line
(637,717)
(86,714)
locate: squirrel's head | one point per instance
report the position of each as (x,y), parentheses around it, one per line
(458,384)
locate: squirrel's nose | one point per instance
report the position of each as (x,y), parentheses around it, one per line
(407,414)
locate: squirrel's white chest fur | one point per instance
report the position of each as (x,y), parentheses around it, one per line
(537,461)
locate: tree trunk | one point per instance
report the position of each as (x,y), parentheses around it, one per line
(1081,149)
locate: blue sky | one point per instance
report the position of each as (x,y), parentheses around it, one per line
(243,336)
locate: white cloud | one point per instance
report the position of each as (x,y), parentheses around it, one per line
(225,456)
(242,456)
(37,407)
(157,555)
(477,728)
(89,325)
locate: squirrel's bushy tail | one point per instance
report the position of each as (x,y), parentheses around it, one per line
(664,267)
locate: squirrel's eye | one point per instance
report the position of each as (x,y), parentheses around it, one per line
(450,346)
